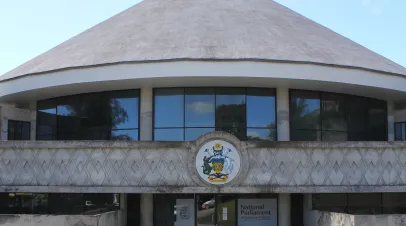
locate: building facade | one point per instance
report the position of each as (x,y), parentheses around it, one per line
(198,113)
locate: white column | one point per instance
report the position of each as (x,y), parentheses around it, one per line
(146,130)
(146,134)
(122,217)
(391,121)
(282,112)
(147,210)
(284,209)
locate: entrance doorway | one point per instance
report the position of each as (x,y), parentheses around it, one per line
(216,210)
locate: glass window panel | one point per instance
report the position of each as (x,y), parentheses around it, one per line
(46,117)
(95,133)
(398,131)
(199,107)
(364,199)
(230,107)
(11,130)
(394,199)
(324,200)
(261,134)
(403,131)
(354,136)
(169,134)
(333,112)
(356,115)
(377,120)
(169,108)
(239,132)
(124,109)
(70,136)
(26,127)
(306,135)
(305,110)
(260,108)
(46,137)
(18,130)
(194,133)
(68,111)
(128,135)
(95,111)
(334,136)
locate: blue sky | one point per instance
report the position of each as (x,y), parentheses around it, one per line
(29,28)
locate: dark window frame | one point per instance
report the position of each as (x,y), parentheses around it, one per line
(15,131)
(346,97)
(110,128)
(215,88)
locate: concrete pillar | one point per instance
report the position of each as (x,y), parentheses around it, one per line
(146,130)
(147,209)
(282,112)
(284,209)
(307,208)
(122,217)
(391,121)
(146,134)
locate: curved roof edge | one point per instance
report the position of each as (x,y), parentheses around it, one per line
(203,60)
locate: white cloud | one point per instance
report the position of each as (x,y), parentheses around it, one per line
(201,107)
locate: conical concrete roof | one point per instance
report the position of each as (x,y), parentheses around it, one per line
(156,30)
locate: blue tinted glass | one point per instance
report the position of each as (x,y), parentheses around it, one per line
(261,134)
(128,135)
(69,106)
(124,110)
(169,108)
(194,133)
(230,107)
(199,108)
(305,110)
(404,131)
(260,110)
(168,134)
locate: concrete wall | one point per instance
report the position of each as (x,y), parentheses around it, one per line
(105,219)
(11,113)
(169,167)
(319,218)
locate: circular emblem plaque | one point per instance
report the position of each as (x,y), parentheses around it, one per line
(218,162)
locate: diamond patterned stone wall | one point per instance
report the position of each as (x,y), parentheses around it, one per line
(166,165)
(327,167)
(94,167)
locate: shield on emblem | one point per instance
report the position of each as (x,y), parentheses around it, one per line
(184,212)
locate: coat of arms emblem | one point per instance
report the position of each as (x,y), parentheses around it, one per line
(218,162)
